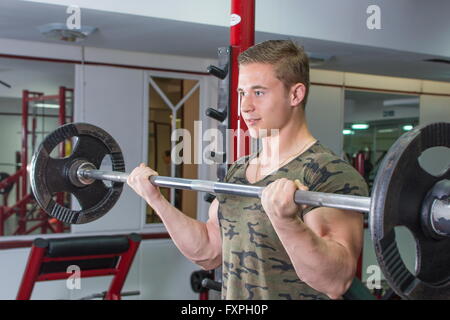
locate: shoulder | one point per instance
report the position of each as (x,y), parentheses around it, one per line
(320,156)
(325,171)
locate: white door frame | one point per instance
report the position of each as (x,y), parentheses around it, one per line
(202,168)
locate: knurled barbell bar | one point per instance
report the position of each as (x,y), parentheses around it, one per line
(403,194)
(88,174)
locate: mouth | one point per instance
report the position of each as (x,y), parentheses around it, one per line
(252,122)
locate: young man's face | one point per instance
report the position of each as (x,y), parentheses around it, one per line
(265,102)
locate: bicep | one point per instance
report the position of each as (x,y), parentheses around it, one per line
(342,226)
(213,227)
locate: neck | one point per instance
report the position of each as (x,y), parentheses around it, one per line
(291,139)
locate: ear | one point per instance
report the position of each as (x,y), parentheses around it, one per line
(297,93)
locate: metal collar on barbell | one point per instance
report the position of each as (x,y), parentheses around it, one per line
(434,215)
(74,173)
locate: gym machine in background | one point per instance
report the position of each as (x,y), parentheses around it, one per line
(29,216)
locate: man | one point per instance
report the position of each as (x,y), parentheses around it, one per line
(272,248)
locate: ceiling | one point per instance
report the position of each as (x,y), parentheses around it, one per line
(20,20)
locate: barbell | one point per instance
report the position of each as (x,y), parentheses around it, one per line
(403,194)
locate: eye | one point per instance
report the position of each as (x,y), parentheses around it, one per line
(259,93)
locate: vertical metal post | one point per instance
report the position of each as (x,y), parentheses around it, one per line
(17,184)
(2,221)
(242,36)
(242,31)
(24,154)
(62,117)
(359,166)
(62,150)
(33,133)
(31,272)
(173,167)
(24,159)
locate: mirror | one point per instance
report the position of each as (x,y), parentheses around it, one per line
(35,97)
(373,121)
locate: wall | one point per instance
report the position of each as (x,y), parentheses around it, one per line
(373,111)
(325,116)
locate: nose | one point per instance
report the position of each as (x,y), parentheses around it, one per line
(246,103)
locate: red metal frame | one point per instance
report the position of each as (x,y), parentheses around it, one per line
(19,179)
(123,267)
(38,256)
(31,273)
(204,295)
(242,36)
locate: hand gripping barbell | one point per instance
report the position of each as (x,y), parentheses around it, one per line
(403,194)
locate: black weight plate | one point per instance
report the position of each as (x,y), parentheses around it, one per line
(399,190)
(49,175)
(3,176)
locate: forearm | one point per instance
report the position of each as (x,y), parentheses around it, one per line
(322,263)
(189,235)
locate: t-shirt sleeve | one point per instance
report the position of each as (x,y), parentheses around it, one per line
(334,176)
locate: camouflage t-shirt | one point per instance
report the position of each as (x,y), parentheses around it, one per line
(255,263)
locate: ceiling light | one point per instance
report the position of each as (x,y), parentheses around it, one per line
(46,105)
(399,102)
(407,127)
(59,31)
(346,132)
(386,130)
(360,126)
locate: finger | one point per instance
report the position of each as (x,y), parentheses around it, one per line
(133,174)
(152,172)
(279,184)
(287,186)
(299,185)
